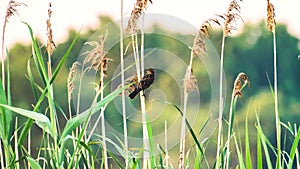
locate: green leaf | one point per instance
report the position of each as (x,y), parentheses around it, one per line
(115,159)
(5,119)
(33,163)
(27,127)
(247,146)
(9,114)
(239,154)
(151,142)
(64,58)
(294,149)
(264,142)
(37,55)
(41,120)
(259,152)
(78,120)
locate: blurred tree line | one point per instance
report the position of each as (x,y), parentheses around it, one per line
(250,51)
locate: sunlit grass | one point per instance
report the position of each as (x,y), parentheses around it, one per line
(72,145)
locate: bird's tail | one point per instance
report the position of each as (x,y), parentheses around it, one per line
(134,93)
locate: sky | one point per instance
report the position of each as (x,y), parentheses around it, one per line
(83,14)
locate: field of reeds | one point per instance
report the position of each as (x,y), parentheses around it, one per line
(131,101)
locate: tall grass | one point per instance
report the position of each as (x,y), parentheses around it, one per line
(233,13)
(271,25)
(240,82)
(71,146)
(122,84)
(132,29)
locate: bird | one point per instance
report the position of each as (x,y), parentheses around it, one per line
(145,82)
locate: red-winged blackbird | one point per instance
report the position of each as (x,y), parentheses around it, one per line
(145,82)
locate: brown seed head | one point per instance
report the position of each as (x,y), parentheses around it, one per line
(138,9)
(199,47)
(190,81)
(97,56)
(50,43)
(233,13)
(241,79)
(271,16)
(71,78)
(12,9)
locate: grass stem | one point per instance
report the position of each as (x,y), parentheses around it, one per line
(219,146)
(122,83)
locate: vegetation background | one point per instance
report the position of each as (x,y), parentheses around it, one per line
(249,51)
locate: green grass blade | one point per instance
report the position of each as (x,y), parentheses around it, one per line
(247,146)
(264,143)
(33,163)
(115,159)
(37,54)
(41,120)
(28,125)
(78,120)
(239,154)
(151,142)
(294,149)
(64,58)
(259,152)
(198,157)
(8,95)
(5,119)
(31,81)
(191,130)
(136,160)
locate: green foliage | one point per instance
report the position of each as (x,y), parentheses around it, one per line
(252,56)
(33,163)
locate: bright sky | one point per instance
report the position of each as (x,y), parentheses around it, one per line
(76,14)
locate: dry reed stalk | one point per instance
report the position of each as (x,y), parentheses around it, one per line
(99,62)
(132,29)
(10,11)
(70,86)
(271,23)
(189,84)
(122,85)
(230,18)
(240,81)
(190,81)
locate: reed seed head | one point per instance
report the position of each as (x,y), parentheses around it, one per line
(71,78)
(241,79)
(233,13)
(199,47)
(50,43)
(12,9)
(271,23)
(190,81)
(97,56)
(137,11)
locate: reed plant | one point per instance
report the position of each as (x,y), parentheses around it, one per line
(271,23)
(233,13)
(72,145)
(138,52)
